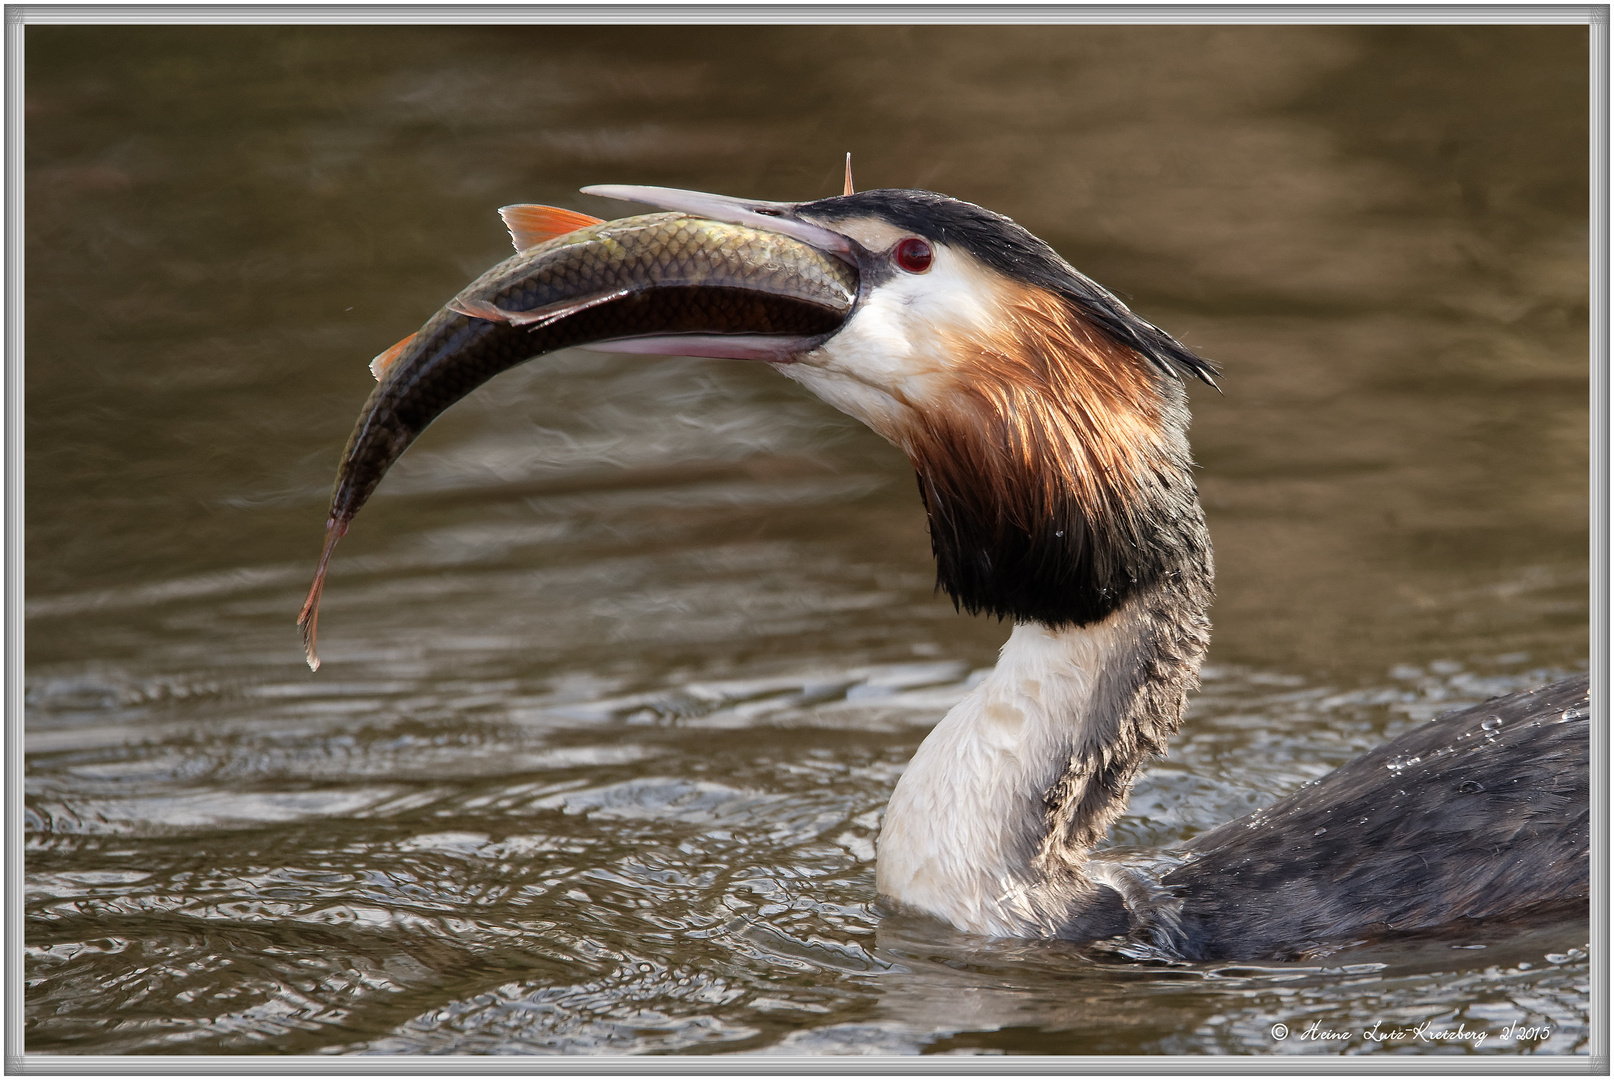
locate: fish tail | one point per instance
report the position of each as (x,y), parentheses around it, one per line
(308,618)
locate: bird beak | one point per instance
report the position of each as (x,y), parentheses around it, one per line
(775,217)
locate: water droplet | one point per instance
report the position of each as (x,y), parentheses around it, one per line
(1320,831)
(1492,724)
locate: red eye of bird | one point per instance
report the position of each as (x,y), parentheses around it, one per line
(913,255)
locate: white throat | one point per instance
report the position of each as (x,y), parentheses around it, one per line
(966,836)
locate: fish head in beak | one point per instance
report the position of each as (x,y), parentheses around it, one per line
(781,218)
(921,297)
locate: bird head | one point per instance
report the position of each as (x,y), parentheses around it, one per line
(1046,422)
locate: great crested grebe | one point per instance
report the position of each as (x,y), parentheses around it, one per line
(1048,427)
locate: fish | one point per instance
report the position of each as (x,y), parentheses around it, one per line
(723,289)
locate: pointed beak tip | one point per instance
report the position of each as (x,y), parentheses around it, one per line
(639,193)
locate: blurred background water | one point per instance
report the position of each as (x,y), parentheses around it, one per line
(624,657)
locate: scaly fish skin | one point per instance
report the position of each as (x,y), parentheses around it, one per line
(668,250)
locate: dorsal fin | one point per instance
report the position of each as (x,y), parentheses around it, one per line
(379,366)
(531,224)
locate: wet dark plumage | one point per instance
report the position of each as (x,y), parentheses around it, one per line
(1473,815)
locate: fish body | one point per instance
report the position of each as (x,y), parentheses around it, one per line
(657,276)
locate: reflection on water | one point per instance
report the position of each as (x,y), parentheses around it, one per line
(618,872)
(625,656)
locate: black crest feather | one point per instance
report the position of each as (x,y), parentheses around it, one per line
(1010,249)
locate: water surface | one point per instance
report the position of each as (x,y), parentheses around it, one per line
(624,657)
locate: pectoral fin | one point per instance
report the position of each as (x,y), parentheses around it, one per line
(535,318)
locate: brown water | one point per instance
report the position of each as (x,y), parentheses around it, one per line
(624,657)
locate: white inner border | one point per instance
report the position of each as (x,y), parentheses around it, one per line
(19,16)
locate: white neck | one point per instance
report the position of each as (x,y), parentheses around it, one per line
(970,832)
